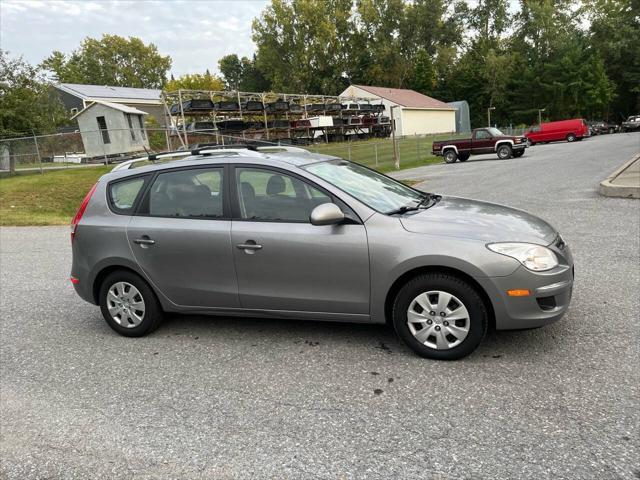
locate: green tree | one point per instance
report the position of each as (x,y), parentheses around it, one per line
(242,74)
(28,104)
(195,81)
(301,45)
(231,68)
(615,35)
(111,60)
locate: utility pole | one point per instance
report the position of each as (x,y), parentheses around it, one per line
(489,115)
(540,110)
(396,159)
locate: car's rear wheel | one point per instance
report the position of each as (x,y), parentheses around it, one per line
(530,143)
(571,137)
(463,157)
(440,316)
(504,152)
(518,153)
(450,156)
(128,304)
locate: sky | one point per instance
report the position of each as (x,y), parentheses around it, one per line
(195,33)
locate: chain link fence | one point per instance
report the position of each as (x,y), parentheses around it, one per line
(45,153)
(411,151)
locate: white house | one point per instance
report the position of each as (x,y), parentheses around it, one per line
(110,129)
(414,113)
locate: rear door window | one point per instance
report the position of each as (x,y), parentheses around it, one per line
(123,194)
(193,193)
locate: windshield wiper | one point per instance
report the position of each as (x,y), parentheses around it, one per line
(427,198)
(422,204)
(403,209)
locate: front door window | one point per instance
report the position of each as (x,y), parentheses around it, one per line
(267,195)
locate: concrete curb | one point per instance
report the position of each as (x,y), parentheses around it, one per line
(612,187)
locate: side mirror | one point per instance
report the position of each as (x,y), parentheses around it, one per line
(326,214)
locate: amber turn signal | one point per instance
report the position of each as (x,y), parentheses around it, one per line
(519,293)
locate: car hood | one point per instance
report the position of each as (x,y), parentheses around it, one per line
(488,222)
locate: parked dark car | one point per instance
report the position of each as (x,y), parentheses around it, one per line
(631,124)
(600,127)
(483,140)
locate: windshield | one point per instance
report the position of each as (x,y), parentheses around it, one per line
(494,131)
(370,187)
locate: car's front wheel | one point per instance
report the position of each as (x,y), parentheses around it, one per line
(128,304)
(440,316)
(504,152)
(571,137)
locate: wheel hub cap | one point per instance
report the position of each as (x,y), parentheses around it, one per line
(438,320)
(125,304)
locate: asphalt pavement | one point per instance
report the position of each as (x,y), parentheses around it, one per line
(217,398)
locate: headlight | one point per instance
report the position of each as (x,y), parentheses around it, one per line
(534,257)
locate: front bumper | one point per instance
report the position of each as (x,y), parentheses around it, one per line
(549,300)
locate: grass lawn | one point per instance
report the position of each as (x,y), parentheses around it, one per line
(413,151)
(48,199)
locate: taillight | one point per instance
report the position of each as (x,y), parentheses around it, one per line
(80,212)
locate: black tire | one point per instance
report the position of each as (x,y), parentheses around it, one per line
(571,137)
(530,143)
(463,157)
(152,315)
(450,156)
(478,318)
(504,152)
(518,153)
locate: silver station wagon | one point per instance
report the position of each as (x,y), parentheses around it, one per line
(282,232)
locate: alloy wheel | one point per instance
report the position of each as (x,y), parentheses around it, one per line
(126,304)
(438,320)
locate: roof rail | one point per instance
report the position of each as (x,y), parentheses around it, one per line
(286,148)
(239,149)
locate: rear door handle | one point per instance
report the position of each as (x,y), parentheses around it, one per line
(144,241)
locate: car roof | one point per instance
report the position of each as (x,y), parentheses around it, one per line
(284,159)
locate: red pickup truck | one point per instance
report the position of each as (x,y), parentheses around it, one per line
(483,140)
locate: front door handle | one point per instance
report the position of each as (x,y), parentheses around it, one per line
(144,241)
(250,246)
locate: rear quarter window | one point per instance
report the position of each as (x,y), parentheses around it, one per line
(123,194)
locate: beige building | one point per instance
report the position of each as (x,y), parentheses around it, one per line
(414,113)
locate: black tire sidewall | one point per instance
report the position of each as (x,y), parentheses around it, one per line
(503,147)
(455,156)
(153,314)
(571,137)
(457,287)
